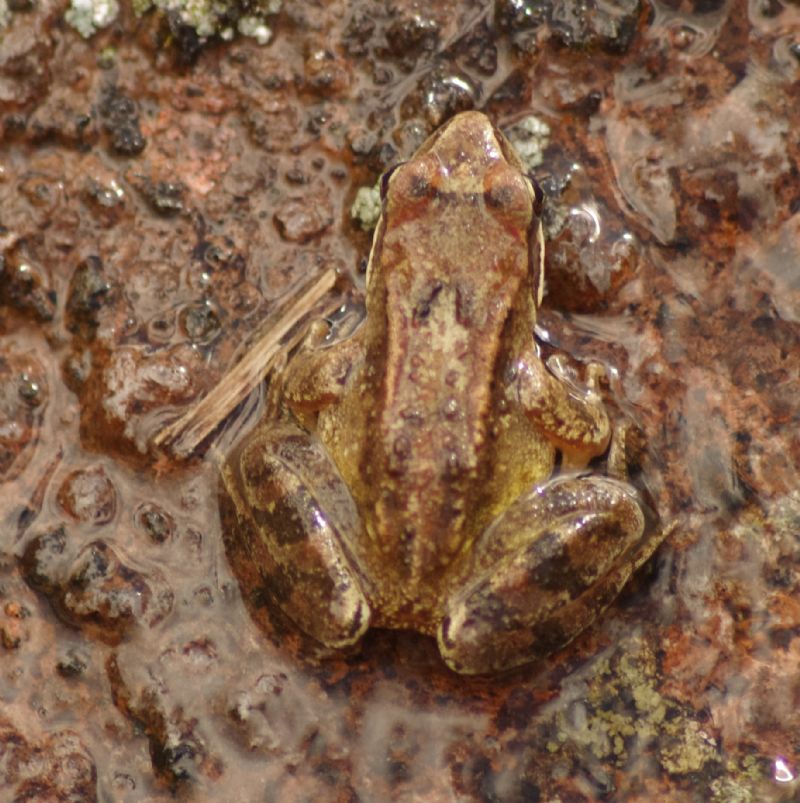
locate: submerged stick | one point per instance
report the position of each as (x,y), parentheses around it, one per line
(185,434)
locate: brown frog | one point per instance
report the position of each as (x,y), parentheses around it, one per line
(411,479)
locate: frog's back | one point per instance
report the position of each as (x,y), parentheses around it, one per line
(450,270)
(450,295)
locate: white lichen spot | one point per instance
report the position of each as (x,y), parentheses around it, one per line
(5,14)
(198,14)
(212,17)
(88,16)
(366,208)
(530,136)
(255,27)
(731,790)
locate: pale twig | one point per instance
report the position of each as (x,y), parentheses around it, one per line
(185,434)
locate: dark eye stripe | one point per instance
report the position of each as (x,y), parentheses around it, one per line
(385,179)
(538,196)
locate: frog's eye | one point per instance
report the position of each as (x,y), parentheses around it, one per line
(507,196)
(385,179)
(499,196)
(419,185)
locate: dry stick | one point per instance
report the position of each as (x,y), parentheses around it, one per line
(184,435)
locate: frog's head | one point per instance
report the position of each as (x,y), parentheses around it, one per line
(466,179)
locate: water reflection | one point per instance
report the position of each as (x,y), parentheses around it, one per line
(782,771)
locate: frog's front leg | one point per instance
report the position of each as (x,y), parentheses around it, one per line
(301,523)
(316,377)
(575,422)
(542,571)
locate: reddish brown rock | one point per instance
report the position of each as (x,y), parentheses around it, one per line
(88,495)
(107,597)
(156,522)
(93,588)
(141,172)
(24,64)
(56,766)
(124,397)
(12,627)
(178,747)
(301,219)
(25,287)
(23,399)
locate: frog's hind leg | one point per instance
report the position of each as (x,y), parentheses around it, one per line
(301,522)
(542,572)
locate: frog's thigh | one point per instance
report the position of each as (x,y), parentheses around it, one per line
(541,572)
(303,521)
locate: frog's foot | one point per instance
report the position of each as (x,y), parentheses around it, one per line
(301,518)
(542,572)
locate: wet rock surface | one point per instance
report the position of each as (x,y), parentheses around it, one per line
(23,400)
(94,588)
(161,191)
(88,495)
(55,767)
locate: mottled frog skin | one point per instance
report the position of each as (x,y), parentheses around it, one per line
(410,478)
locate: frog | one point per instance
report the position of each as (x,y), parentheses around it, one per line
(432,471)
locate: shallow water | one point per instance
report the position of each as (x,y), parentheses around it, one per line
(153,215)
